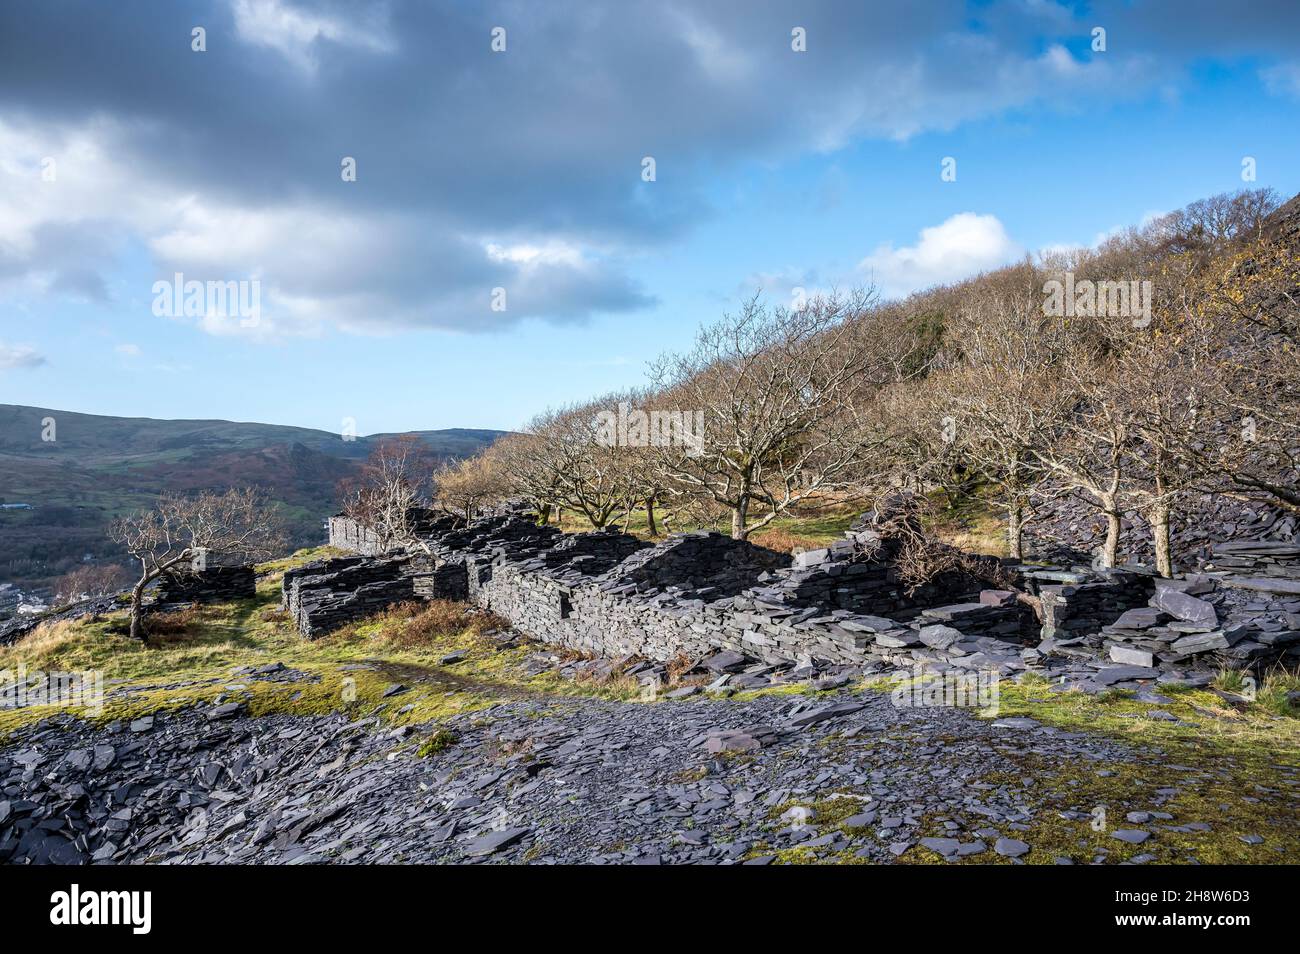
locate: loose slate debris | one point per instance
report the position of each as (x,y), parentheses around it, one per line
(563,781)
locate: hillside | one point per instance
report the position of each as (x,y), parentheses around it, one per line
(99,466)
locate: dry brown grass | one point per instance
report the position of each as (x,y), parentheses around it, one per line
(409,625)
(180,622)
(618,682)
(677,667)
(784,541)
(42,643)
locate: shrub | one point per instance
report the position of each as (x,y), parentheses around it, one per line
(437,742)
(417,624)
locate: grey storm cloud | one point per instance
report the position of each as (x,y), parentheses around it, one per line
(478,169)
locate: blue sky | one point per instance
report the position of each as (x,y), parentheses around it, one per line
(522,170)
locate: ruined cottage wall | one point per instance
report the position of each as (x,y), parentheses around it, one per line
(614,596)
(1072,609)
(346,534)
(595,616)
(611,595)
(327,594)
(211,585)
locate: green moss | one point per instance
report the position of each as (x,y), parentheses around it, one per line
(1205,726)
(809,856)
(1219,798)
(438,741)
(830,811)
(1232,769)
(533,853)
(688,775)
(353,667)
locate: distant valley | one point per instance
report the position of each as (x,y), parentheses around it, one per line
(98,467)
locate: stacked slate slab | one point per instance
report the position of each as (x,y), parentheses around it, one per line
(1258,564)
(211,585)
(1199,622)
(327,594)
(1078,602)
(697,594)
(1201,527)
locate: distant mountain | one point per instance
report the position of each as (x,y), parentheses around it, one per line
(98,467)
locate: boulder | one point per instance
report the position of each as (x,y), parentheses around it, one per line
(940,636)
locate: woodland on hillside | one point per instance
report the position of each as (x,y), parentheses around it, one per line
(1131,377)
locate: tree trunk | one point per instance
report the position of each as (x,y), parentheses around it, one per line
(650,517)
(1015,531)
(1159,517)
(739,516)
(1110,549)
(137,605)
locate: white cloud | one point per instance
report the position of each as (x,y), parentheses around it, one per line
(716,52)
(1283,79)
(19,356)
(293,32)
(130,350)
(552,253)
(361,270)
(961,246)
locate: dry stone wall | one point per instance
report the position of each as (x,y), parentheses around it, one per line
(346,534)
(611,594)
(327,594)
(703,594)
(214,584)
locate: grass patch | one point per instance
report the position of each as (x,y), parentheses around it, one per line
(351,669)
(1232,768)
(807,528)
(438,741)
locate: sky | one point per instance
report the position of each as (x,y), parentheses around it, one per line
(448,214)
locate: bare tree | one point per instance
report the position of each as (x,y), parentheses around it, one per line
(527,471)
(465,486)
(1003,402)
(577,458)
(187,532)
(394,482)
(784,399)
(1251,301)
(1210,226)
(91,580)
